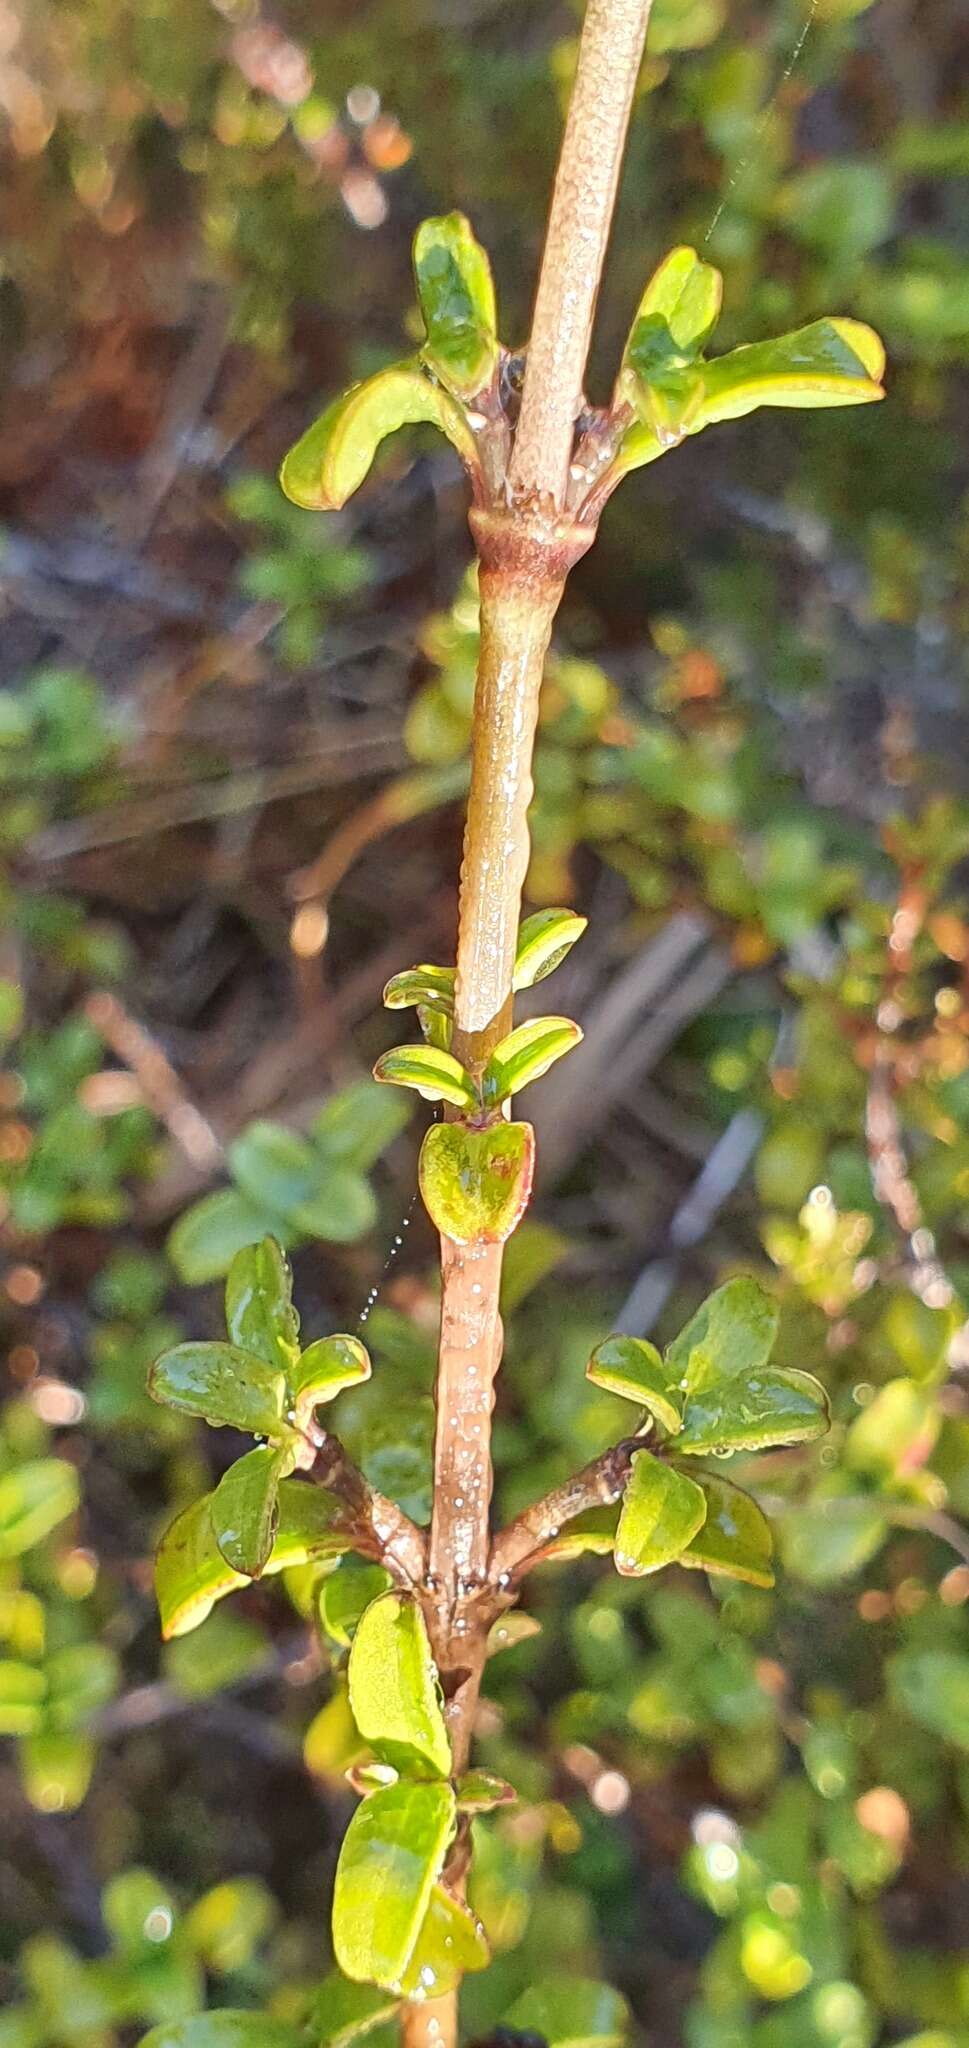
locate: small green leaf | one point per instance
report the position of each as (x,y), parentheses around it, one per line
(22,1692)
(392,1855)
(56,1766)
(736,1537)
(356,1125)
(191,1573)
(228,1923)
(343,2012)
(457,299)
(526,1054)
(436,1075)
(511,1629)
(229,1387)
(661,1512)
(226,2029)
(590,1534)
(33,1499)
(275,1167)
(346,1595)
(81,1678)
(832,362)
(633,1368)
(933,1686)
(259,1312)
(481,1792)
(830,1539)
(244,1509)
(544,941)
(572,2012)
(450,1944)
(308,1527)
(331,460)
(204,1241)
(476,1183)
(425,987)
(394,1691)
(324,1369)
(685,295)
(747,1414)
(732,1332)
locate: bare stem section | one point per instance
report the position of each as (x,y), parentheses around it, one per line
(610,54)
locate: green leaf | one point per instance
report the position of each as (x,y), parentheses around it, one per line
(544,940)
(227,1924)
(590,1534)
(476,1183)
(56,1766)
(34,1498)
(128,1902)
(308,1526)
(347,1594)
(259,1312)
(226,2029)
(732,1332)
(392,1855)
(275,1167)
(747,1414)
(395,1695)
(933,1686)
(333,457)
(356,1125)
(832,362)
(341,1209)
(436,1075)
(457,299)
(244,1509)
(204,1240)
(633,1368)
(424,987)
(526,1054)
(191,1573)
(661,1512)
(830,1539)
(685,295)
(342,2011)
(81,1678)
(450,1944)
(23,1690)
(323,1371)
(481,1792)
(572,2012)
(736,1536)
(229,1387)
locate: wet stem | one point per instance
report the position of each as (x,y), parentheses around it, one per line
(526,548)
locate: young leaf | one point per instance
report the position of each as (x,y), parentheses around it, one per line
(748,1413)
(544,940)
(572,2012)
(451,1943)
(685,295)
(732,1332)
(308,1526)
(476,1183)
(436,1075)
(425,987)
(481,1792)
(590,1534)
(203,1241)
(324,1369)
(832,362)
(346,1595)
(736,1537)
(394,1690)
(633,1368)
(244,1508)
(392,1855)
(226,2029)
(33,1498)
(229,1387)
(259,1312)
(343,2012)
(526,1054)
(661,1513)
(191,1573)
(332,458)
(457,299)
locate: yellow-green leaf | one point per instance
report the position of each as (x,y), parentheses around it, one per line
(394,1690)
(324,1369)
(392,1856)
(633,1368)
(229,1387)
(331,460)
(526,1054)
(424,987)
(343,2012)
(22,1693)
(244,1508)
(450,1944)
(476,1183)
(259,1312)
(435,1074)
(686,296)
(732,1332)
(572,2012)
(457,299)
(661,1512)
(748,1413)
(544,940)
(34,1497)
(736,1537)
(832,362)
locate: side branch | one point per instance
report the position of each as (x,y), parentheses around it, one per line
(599,1484)
(380,1528)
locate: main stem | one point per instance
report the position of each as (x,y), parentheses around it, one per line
(526,550)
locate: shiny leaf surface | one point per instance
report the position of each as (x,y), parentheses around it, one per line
(476,1183)
(732,1332)
(661,1512)
(324,1369)
(736,1537)
(526,1054)
(392,1855)
(436,1075)
(228,1387)
(395,1696)
(333,457)
(259,1312)
(747,1414)
(457,299)
(633,1368)
(244,1509)
(544,941)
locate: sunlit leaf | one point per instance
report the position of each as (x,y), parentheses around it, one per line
(684,295)
(430,988)
(476,1183)
(343,2011)
(592,1533)
(633,1368)
(227,1924)
(450,1944)
(392,1855)
(732,1333)
(735,1538)
(259,1312)
(56,1767)
(229,1387)
(324,1369)
(572,2012)
(526,1054)
(481,1791)
(748,1413)
(394,1691)
(544,940)
(333,457)
(347,1594)
(191,1573)
(244,1509)
(436,1075)
(661,1512)
(23,1689)
(34,1498)
(457,300)
(832,362)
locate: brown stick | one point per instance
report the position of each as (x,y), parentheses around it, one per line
(599,1484)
